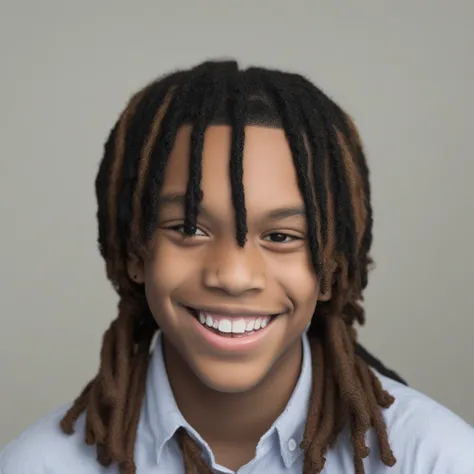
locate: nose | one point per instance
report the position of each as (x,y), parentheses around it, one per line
(234,270)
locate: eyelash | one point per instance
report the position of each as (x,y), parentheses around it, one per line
(180,230)
(291,237)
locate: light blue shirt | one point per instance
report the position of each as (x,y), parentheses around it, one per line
(426,438)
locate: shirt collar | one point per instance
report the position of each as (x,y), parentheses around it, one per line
(290,425)
(164,417)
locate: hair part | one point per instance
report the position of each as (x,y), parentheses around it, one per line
(333,178)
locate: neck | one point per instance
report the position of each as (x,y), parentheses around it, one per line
(205,409)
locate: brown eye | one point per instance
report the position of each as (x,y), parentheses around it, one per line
(180,230)
(280,238)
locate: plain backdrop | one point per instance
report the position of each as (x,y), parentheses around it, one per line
(404,69)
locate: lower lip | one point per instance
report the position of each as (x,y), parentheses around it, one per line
(223,343)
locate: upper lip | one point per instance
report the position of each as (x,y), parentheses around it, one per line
(233,311)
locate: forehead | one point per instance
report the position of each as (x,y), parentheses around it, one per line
(269,176)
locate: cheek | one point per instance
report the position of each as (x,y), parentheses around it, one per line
(168,271)
(297,277)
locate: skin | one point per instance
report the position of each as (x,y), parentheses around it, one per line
(271,274)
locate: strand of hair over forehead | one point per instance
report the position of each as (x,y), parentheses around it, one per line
(345,393)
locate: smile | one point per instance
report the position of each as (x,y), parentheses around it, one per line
(231,326)
(236,326)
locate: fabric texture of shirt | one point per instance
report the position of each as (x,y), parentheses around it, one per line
(425,437)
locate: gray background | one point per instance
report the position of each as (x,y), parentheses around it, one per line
(404,70)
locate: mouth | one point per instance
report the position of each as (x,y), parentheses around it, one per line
(235,325)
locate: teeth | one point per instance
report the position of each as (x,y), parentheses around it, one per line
(238,327)
(225,325)
(235,326)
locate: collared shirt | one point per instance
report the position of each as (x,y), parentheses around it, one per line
(426,438)
(278,449)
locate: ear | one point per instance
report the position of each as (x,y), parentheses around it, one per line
(325,293)
(325,287)
(135,268)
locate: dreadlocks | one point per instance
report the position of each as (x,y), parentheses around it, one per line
(334,181)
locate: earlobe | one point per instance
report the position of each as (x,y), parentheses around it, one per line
(135,269)
(325,295)
(325,289)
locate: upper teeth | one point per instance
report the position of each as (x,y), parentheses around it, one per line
(237,325)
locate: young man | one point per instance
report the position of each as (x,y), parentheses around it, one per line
(235,221)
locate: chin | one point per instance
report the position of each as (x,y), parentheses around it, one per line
(228,377)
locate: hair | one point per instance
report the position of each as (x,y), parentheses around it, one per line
(333,178)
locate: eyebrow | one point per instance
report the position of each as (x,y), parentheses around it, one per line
(285,212)
(178,199)
(171,198)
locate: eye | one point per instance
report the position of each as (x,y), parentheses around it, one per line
(180,230)
(281,238)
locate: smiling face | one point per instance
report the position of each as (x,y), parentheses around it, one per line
(210,296)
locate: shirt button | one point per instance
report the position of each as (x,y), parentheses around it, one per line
(292,444)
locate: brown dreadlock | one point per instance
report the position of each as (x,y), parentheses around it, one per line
(333,179)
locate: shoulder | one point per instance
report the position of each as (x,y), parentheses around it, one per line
(425,436)
(45,449)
